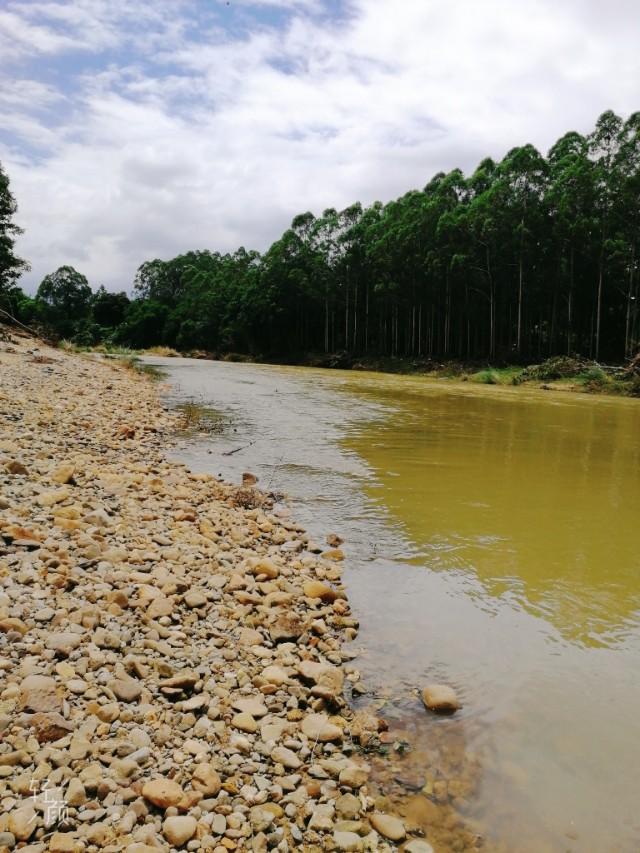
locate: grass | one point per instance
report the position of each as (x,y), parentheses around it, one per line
(163,352)
(495,376)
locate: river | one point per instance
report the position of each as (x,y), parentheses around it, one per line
(493,542)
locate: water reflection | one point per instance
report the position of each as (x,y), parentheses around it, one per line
(539,501)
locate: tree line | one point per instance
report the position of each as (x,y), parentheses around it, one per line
(524,259)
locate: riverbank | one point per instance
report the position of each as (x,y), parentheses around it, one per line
(174,648)
(560,373)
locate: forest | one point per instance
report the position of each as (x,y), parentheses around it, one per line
(524,259)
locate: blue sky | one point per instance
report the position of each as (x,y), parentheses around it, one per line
(132,130)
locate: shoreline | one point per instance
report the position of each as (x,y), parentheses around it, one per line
(175,658)
(556,374)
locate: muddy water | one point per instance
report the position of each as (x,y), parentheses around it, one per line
(493,542)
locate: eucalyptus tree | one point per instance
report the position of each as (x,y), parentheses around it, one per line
(522,176)
(604,147)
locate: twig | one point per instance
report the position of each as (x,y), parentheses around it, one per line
(237,449)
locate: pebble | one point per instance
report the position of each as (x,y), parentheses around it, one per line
(388,825)
(440,698)
(179,830)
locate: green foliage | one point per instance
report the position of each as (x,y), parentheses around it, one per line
(486,377)
(143,324)
(11,266)
(64,301)
(559,367)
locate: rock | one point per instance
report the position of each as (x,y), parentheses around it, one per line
(245,723)
(275,675)
(388,826)
(195,599)
(287,627)
(286,757)
(126,689)
(316,589)
(251,705)
(322,818)
(162,792)
(76,794)
(328,680)
(179,830)
(50,727)
(64,842)
(354,777)
(206,779)
(160,606)
(22,822)
(418,846)
(264,566)
(318,728)
(16,468)
(249,479)
(39,693)
(334,554)
(348,806)
(63,474)
(348,841)
(63,643)
(51,498)
(440,698)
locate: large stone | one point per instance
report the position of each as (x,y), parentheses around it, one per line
(251,705)
(126,689)
(286,757)
(22,822)
(440,698)
(64,842)
(206,779)
(317,589)
(39,693)
(354,776)
(318,728)
(418,846)
(160,606)
(50,727)
(388,826)
(162,792)
(348,841)
(179,830)
(275,675)
(63,643)
(287,627)
(63,474)
(245,723)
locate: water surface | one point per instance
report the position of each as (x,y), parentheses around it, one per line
(492,542)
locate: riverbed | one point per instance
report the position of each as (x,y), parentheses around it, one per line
(491,537)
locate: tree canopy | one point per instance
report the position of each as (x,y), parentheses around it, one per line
(523,259)
(11,266)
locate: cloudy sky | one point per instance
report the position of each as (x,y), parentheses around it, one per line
(133,130)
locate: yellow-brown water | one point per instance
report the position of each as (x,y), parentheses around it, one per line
(493,542)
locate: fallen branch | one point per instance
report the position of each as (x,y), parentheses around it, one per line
(237,449)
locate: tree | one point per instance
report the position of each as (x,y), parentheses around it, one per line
(11,266)
(109,309)
(64,297)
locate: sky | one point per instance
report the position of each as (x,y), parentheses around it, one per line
(133,130)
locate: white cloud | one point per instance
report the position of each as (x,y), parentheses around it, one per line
(219,141)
